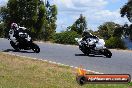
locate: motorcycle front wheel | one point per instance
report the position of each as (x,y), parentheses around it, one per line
(14,46)
(35,48)
(85,51)
(107,53)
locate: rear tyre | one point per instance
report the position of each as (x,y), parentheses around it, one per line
(14,46)
(35,48)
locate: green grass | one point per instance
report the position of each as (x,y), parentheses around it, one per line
(16,72)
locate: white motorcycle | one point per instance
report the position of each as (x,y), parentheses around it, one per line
(93,46)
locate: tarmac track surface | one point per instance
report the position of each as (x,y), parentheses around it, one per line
(120,63)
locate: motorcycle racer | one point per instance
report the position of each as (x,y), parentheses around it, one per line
(89,39)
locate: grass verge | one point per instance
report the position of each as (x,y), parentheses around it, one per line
(17,72)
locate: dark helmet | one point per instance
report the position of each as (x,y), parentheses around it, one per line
(86,33)
(14,26)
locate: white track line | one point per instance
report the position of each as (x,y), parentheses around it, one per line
(52,62)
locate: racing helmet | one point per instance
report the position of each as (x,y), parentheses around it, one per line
(86,33)
(14,26)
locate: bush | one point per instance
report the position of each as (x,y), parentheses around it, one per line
(66,37)
(115,42)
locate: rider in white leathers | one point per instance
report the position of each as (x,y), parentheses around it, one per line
(14,31)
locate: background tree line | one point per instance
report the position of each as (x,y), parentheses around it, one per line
(73,31)
(37,16)
(110,31)
(126,11)
(40,19)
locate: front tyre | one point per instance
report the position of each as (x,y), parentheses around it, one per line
(35,48)
(107,53)
(14,46)
(86,52)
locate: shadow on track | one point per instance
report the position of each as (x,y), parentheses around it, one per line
(80,55)
(12,50)
(89,55)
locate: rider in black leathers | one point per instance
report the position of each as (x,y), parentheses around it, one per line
(87,36)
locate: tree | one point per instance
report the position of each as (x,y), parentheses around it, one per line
(115,42)
(80,25)
(126,10)
(129,31)
(1,30)
(47,21)
(40,21)
(108,29)
(23,12)
(50,22)
(112,33)
(37,17)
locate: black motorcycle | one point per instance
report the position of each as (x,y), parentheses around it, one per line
(24,41)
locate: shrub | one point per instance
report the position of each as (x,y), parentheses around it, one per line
(66,37)
(115,42)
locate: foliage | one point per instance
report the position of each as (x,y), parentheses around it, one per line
(126,10)
(115,42)
(118,32)
(128,31)
(2,27)
(33,14)
(66,37)
(97,34)
(108,29)
(112,33)
(50,22)
(80,25)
